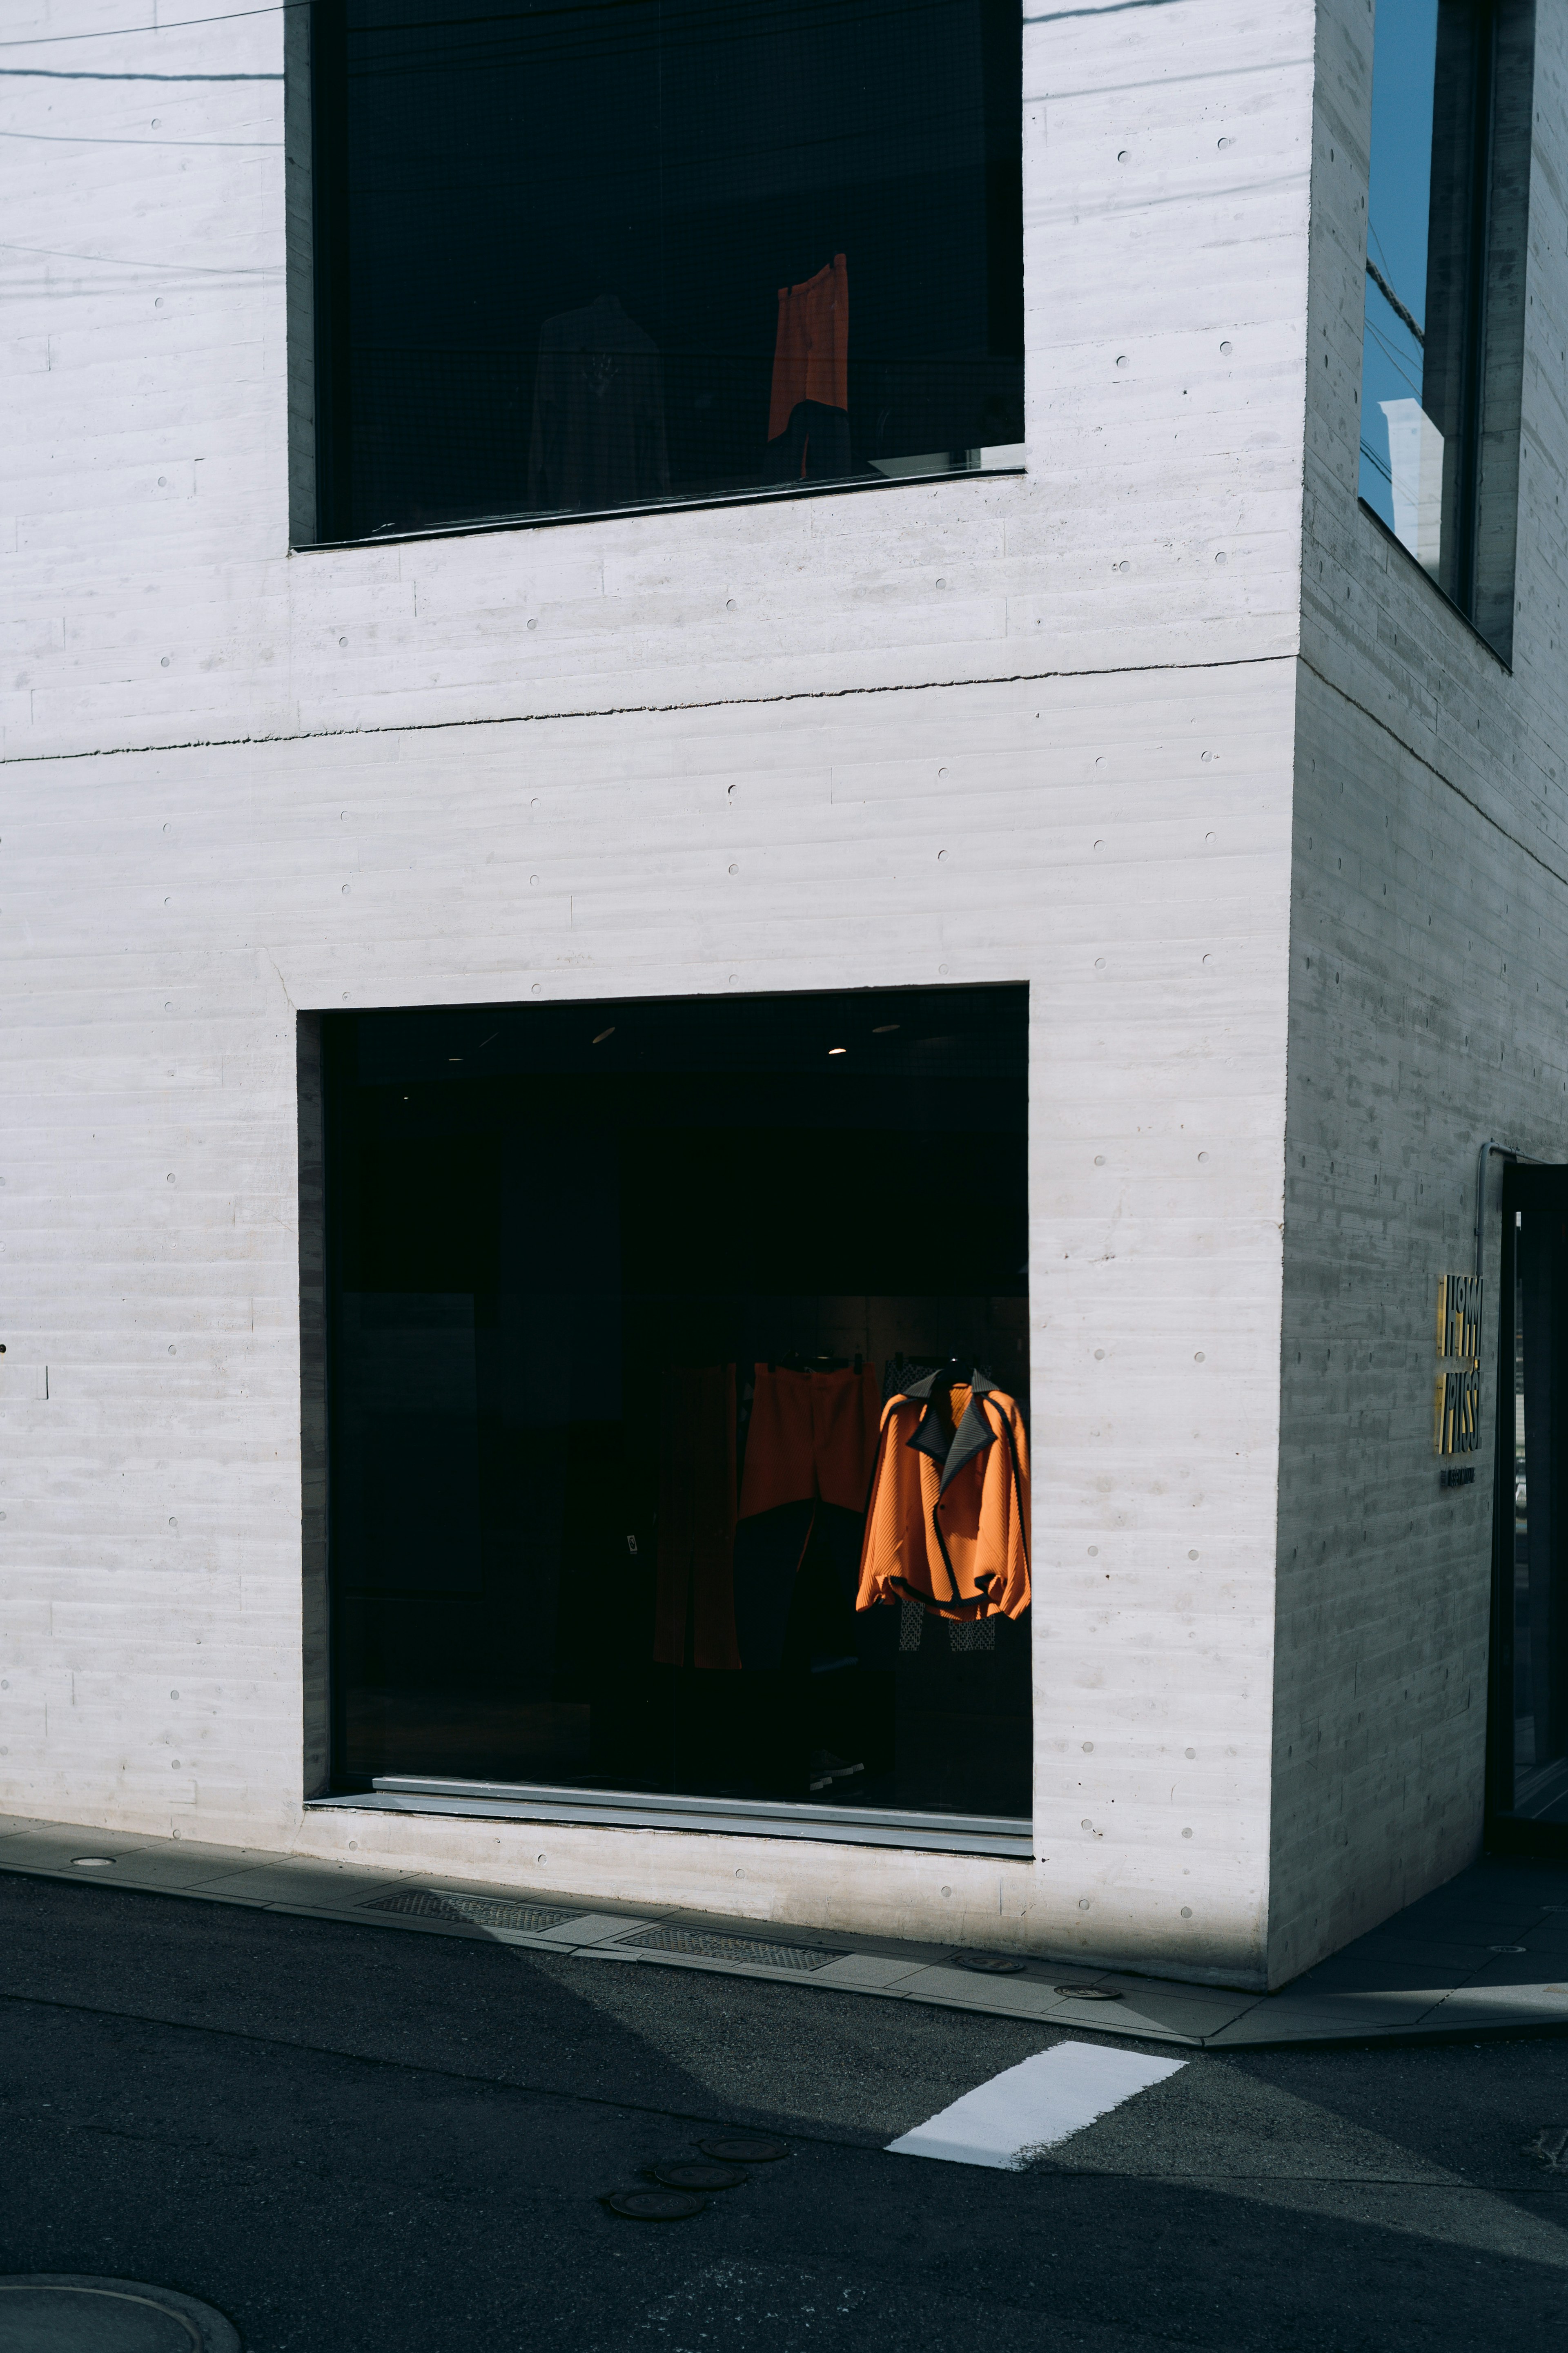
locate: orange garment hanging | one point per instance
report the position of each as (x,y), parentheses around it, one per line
(811,358)
(812,1434)
(948,1524)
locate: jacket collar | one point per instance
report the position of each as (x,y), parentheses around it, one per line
(972,1437)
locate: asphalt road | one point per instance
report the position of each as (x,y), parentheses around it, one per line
(354,2138)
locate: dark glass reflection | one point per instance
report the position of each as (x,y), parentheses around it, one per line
(576,1250)
(575,259)
(1443,350)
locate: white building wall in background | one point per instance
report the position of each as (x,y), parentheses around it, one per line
(1428,1013)
(1037,729)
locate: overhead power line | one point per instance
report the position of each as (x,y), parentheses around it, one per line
(124,32)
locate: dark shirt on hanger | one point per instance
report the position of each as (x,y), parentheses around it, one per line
(598,412)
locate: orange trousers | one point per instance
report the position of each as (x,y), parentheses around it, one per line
(812,1434)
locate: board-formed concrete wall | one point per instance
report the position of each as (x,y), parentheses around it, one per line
(1428,989)
(1036,729)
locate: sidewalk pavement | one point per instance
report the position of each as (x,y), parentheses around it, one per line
(1484,1957)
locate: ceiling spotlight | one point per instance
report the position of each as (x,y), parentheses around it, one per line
(604,1034)
(838,1049)
(883,1027)
(454,1057)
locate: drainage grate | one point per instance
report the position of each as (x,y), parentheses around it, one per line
(712,1947)
(473,1911)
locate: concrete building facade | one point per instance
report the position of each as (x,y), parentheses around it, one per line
(1165,727)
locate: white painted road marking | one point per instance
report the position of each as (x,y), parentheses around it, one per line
(1033,2105)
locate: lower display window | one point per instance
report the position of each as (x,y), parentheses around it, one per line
(679,1411)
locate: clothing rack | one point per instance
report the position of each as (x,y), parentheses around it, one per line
(793,1361)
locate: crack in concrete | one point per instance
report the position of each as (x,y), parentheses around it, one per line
(640,710)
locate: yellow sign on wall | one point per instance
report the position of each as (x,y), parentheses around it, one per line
(1457,1401)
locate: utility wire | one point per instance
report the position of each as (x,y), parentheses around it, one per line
(1393,302)
(1394,356)
(124,32)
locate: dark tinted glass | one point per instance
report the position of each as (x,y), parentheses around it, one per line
(576,259)
(1530,1745)
(572,1248)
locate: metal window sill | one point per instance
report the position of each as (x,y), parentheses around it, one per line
(763,495)
(992,1834)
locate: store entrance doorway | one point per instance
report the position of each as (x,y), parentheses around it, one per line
(1528,1759)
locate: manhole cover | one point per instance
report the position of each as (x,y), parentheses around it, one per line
(67,2312)
(991,1964)
(743,2148)
(1090,1993)
(656,2205)
(699,2173)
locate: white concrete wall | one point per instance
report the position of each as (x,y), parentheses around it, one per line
(718,751)
(1428,988)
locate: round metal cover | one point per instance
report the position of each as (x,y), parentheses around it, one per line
(743,2148)
(71,2312)
(1090,1993)
(656,2205)
(693,2173)
(991,1964)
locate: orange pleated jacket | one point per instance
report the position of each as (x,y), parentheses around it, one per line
(948,1522)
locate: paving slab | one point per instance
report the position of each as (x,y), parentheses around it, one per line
(1167,2009)
(866,1971)
(599,1928)
(1379,1950)
(1551,1998)
(1003,1997)
(166,1865)
(1326,2015)
(274,1883)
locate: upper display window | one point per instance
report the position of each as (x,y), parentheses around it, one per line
(1442,352)
(574,259)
